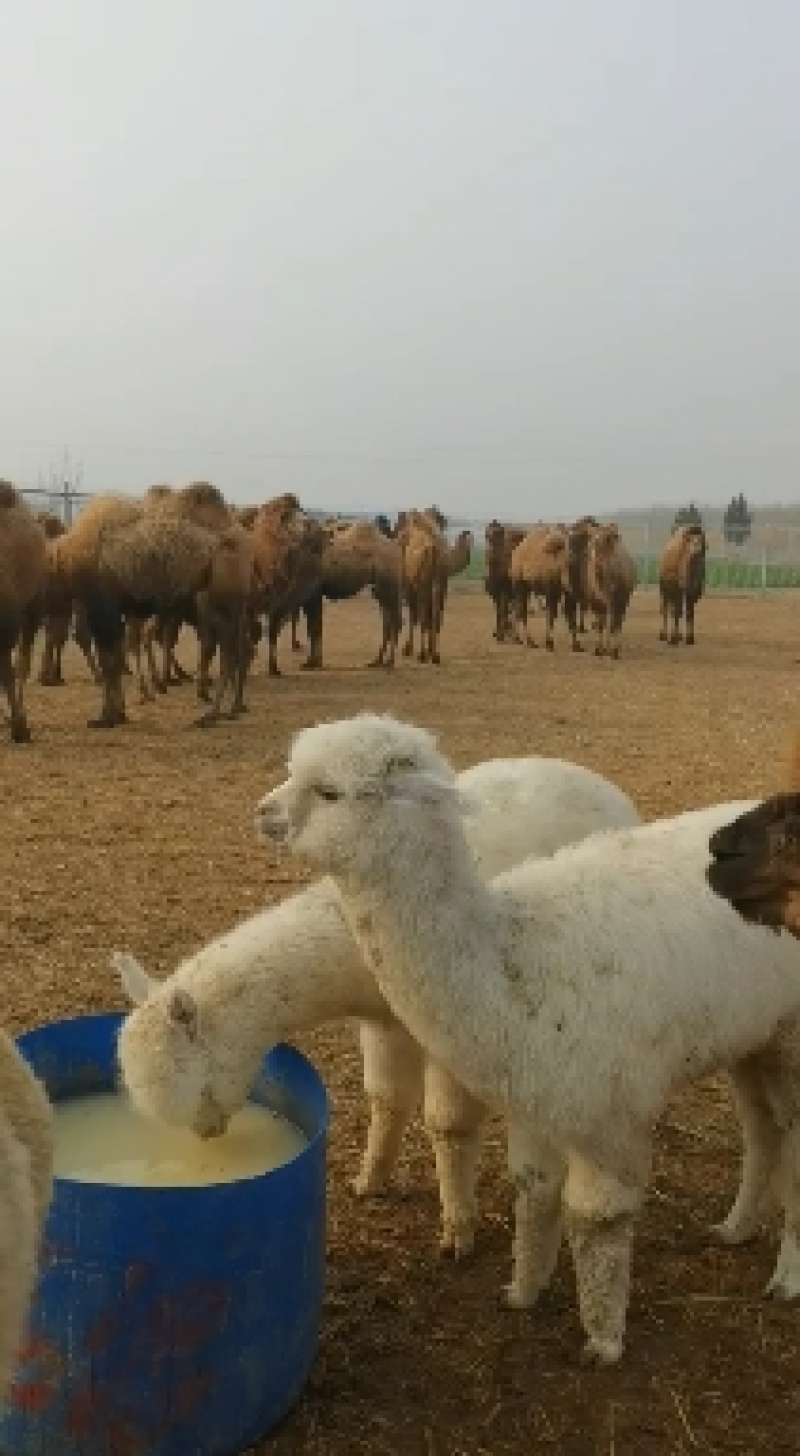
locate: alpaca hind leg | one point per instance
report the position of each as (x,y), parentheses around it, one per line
(601,1213)
(762,1143)
(392,1069)
(537,1171)
(453,1121)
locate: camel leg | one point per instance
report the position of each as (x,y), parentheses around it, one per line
(664,633)
(690,621)
(314,610)
(297,645)
(600,623)
(241,663)
(408,646)
(206,648)
(136,635)
(385,654)
(83,637)
(677,613)
(13,675)
(226,636)
(273,632)
(438,594)
(552,612)
(582,619)
(107,627)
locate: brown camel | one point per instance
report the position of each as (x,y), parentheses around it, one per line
(499,543)
(610,582)
(358,555)
(539,566)
(23,564)
(424,552)
(681,579)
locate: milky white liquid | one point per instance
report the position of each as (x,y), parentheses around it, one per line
(103,1139)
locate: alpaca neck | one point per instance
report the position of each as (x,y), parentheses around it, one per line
(433,935)
(289,969)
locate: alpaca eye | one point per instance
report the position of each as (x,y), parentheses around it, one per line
(331,795)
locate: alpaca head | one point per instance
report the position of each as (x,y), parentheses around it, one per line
(170,1068)
(356,788)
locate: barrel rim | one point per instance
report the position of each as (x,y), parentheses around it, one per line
(320,1108)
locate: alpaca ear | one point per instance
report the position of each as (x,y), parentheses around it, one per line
(422,786)
(469,802)
(136,983)
(182,1013)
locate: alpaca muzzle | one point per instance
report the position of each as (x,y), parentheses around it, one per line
(272,819)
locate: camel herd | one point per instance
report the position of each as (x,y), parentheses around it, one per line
(129,573)
(586,568)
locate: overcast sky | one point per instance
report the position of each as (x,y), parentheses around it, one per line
(525,257)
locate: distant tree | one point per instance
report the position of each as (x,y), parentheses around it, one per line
(738,521)
(688,516)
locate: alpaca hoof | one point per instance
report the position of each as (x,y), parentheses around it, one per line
(601,1352)
(206,720)
(675,641)
(369,1184)
(435,659)
(783,1287)
(106,722)
(273,671)
(161,686)
(615,654)
(457,1240)
(576,647)
(598,652)
(408,650)
(20,732)
(515,1298)
(550,646)
(689,640)
(662,636)
(732,1233)
(785,1281)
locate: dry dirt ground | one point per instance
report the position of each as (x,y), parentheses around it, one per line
(142,838)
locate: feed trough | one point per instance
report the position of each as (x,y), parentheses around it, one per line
(170,1321)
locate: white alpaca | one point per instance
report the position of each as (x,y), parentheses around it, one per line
(296,965)
(574,992)
(26,1160)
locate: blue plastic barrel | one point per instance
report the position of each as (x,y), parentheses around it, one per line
(170,1321)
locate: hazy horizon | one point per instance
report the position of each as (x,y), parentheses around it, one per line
(523,261)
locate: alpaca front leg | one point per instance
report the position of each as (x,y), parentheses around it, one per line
(537,1171)
(601,1213)
(760,1158)
(453,1121)
(785,1281)
(392,1063)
